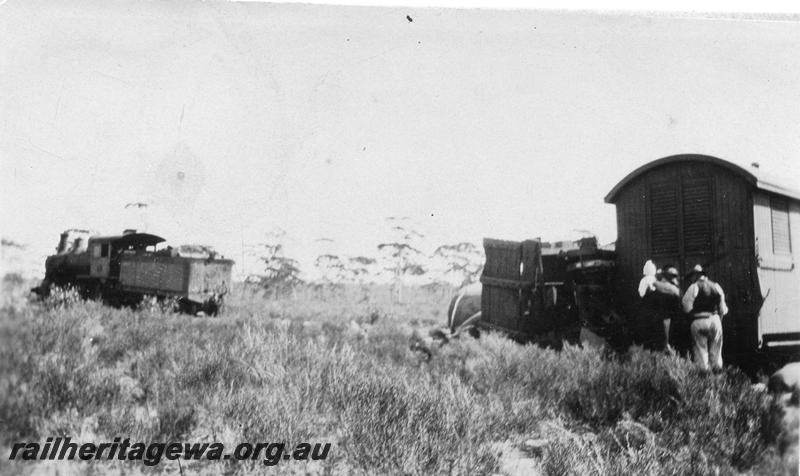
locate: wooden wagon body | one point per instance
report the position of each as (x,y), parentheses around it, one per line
(531,289)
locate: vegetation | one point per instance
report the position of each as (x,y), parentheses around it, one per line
(464,260)
(293,369)
(281,273)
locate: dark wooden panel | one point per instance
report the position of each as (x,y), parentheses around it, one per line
(664,219)
(531,270)
(698,218)
(531,309)
(511,275)
(632,243)
(501,258)
(501,282)
(731,261)
(500,307)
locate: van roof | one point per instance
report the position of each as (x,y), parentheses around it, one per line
(754,176)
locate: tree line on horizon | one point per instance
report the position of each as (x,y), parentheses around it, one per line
(397,261)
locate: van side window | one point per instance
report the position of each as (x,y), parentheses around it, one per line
(104,250)
(781,240)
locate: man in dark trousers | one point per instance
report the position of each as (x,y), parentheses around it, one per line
(661,304)
(704,301)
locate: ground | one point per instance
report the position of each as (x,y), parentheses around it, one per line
(335,365)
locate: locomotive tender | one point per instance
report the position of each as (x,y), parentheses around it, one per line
(125,268)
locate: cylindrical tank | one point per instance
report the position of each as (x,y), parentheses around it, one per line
(464,305)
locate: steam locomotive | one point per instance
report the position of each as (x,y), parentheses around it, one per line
(124,269)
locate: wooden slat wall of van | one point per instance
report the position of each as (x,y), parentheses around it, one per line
(511,277)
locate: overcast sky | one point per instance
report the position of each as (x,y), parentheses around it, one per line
(229,120)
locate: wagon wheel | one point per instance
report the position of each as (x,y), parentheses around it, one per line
(213,306)
(188,307)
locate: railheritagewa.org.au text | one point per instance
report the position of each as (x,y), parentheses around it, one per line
(151,454)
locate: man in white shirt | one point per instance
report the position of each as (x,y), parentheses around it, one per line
(660,305)
(704,301)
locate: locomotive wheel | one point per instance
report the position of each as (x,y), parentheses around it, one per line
(42,290)
(94,291)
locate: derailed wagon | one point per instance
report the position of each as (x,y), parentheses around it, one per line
(124,269)
(546,292)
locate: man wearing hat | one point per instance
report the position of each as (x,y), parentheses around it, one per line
(704,301)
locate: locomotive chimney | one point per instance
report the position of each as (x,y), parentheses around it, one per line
(62,243)
(129,231)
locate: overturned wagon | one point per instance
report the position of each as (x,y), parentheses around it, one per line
(543,292)
(123,269)
(540,291)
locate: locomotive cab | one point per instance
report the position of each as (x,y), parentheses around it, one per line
(105,252)
(100,259)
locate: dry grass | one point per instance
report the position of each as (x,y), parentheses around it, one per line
(305,368)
